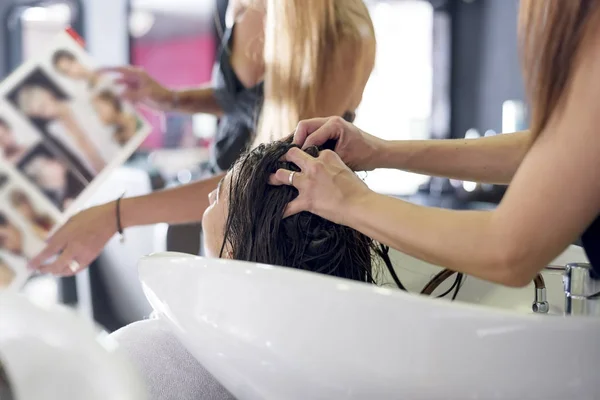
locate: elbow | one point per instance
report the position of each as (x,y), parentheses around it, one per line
(514,268)
(515,279)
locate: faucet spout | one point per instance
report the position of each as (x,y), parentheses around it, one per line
(540,304)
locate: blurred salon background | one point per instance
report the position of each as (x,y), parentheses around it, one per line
(444,69)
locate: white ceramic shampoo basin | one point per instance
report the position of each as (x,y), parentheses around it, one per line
(275,333)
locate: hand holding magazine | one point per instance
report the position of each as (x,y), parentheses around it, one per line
(63,129)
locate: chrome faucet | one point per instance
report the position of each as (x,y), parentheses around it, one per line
(582,290)
(540,305)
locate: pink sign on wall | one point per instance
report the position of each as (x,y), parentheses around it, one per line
(175,63)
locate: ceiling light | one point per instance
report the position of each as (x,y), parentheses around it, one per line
(140,23)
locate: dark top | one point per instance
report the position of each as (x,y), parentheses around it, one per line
(241,106)
(591,243)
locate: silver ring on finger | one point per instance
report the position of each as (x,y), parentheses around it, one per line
(291,178)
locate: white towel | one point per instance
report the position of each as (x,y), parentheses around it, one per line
(168,369)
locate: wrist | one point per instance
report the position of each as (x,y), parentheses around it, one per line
(124,217)
(356,206)
(377,148)
(392,154)
(373,153)
(108,215)
(168,100)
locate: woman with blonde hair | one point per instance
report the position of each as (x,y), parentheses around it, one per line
(282,61)
(553,169)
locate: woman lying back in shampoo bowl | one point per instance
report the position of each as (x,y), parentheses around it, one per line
(244,221)
(283,61)
(553,169)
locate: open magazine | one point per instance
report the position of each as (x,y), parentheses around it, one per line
(63,129)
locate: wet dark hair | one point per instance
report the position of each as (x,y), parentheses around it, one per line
(256,230)
(62,54)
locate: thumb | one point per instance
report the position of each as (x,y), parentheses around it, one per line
(305,128)
(332,129)
(294,207)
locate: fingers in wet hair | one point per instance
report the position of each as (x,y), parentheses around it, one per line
(329,156)
(298,157)
(294,207)
(306,128)
(273,180)
(332,129)
(286,177)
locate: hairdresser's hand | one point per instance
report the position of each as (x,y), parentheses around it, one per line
(327,187)
(81,240)
(357,149)
(141,88)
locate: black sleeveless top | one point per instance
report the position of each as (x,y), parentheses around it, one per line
(591,243)
(241,106)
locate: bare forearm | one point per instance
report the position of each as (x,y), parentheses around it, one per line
(491,159)
(197,100)
(179,205)
(463,241)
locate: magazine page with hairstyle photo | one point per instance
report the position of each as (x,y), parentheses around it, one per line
(17,135)
(26,220)
(63,130)
(77,128)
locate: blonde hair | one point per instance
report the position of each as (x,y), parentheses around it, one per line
(553,35)
(306,43)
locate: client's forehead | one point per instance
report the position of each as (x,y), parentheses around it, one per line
(223,185)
